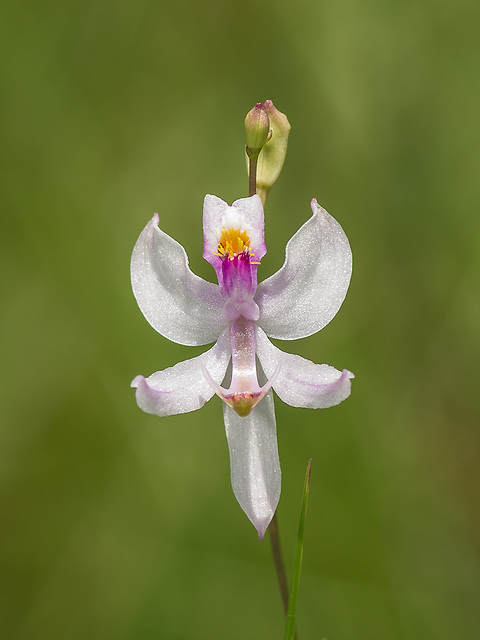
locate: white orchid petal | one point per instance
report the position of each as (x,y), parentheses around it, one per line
(308,290)
(178,304)
(183,387)
(254,463)
(300,382)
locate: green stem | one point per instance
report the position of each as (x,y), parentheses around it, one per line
(278,559)
(292,602)
(252,176)
(279,563)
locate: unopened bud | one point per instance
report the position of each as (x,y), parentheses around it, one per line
(272,157)
(257,128)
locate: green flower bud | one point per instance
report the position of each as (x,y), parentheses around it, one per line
(257,127)
(272,157)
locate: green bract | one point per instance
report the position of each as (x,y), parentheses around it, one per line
(272,156)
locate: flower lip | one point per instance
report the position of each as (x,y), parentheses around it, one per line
(235,243)
(221,223)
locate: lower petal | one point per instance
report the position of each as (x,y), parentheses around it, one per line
(183,387)
(300,382)
(254,463)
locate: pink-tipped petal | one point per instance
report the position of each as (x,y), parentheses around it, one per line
(308,290)
(254,463)
(300,382)
(178,304)
(183,387)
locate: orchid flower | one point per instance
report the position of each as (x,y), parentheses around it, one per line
(239,316)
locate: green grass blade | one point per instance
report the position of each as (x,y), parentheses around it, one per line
(295,585)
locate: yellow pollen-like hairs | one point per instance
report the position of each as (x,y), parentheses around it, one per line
(233,242)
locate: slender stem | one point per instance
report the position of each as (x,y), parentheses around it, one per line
(278,559)
(297,569)
(252,176)
(279,564)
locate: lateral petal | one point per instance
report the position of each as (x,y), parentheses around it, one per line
(300,382)
(177,303)
(183,387)
(308,290)
(254,463)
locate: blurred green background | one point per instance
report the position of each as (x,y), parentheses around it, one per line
(118,525)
